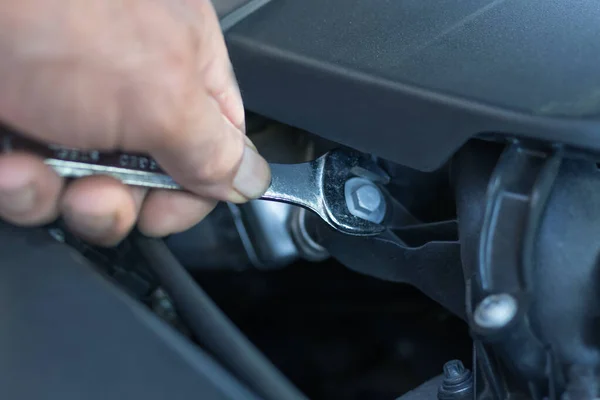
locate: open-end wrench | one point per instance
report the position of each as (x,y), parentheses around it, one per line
(320,185)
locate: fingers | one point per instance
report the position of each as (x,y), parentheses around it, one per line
(29,190)
(217,72)
(150,77)
(101,209)
(206,151)
(166,212)
(213,159)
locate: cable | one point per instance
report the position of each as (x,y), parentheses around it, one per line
(211,326)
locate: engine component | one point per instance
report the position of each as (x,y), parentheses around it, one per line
(425,255)
(69,332)
(495,311)
(220,241)
(212,328)
(530,248)
(365,200)
(265,227)
(415,92)
(302,227)
(457,383)
(260,234)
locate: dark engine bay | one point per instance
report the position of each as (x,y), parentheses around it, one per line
(450,252)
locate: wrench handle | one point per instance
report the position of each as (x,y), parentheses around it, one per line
(317,185)
(131,169)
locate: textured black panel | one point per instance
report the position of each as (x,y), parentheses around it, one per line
(69,334)
(412,80)
(534,55)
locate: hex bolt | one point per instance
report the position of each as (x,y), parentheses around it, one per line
(454,369)
(457,383)
(365,200)
(368,198)
(495,311)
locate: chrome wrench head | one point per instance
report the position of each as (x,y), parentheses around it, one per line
(320,186)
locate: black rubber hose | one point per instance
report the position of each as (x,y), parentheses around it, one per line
(212,328)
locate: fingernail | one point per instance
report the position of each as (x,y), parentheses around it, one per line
(254,175)
(18,200)
(97,228)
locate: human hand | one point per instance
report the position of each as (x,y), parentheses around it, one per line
(149,76)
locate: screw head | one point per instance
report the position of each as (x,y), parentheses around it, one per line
(454,370)
(457,383)
(495,311)
(365,200)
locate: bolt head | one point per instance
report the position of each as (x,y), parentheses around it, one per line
(454,369)
(457,383)
(364,199)
(495,311)
(367,198)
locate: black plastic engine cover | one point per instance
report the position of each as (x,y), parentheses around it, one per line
(412,80)
(528,228)
(68,333)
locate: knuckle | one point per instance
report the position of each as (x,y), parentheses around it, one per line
(158,89)
(157,109)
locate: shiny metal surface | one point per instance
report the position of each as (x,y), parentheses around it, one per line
(306,245)
(267,223)
(365,200)
(495,311)
(317,185)
(70,169)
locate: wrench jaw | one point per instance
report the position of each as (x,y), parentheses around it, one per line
(339,166)
(298,184)
(319,187)
(343,221)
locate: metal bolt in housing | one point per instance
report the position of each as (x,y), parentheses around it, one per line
(454,370)
(365,200)
(368,198)
(457,383)
(495,311)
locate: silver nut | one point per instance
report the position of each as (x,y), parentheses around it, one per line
(495,311)
(454,369)
(368,198)
(365,200)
